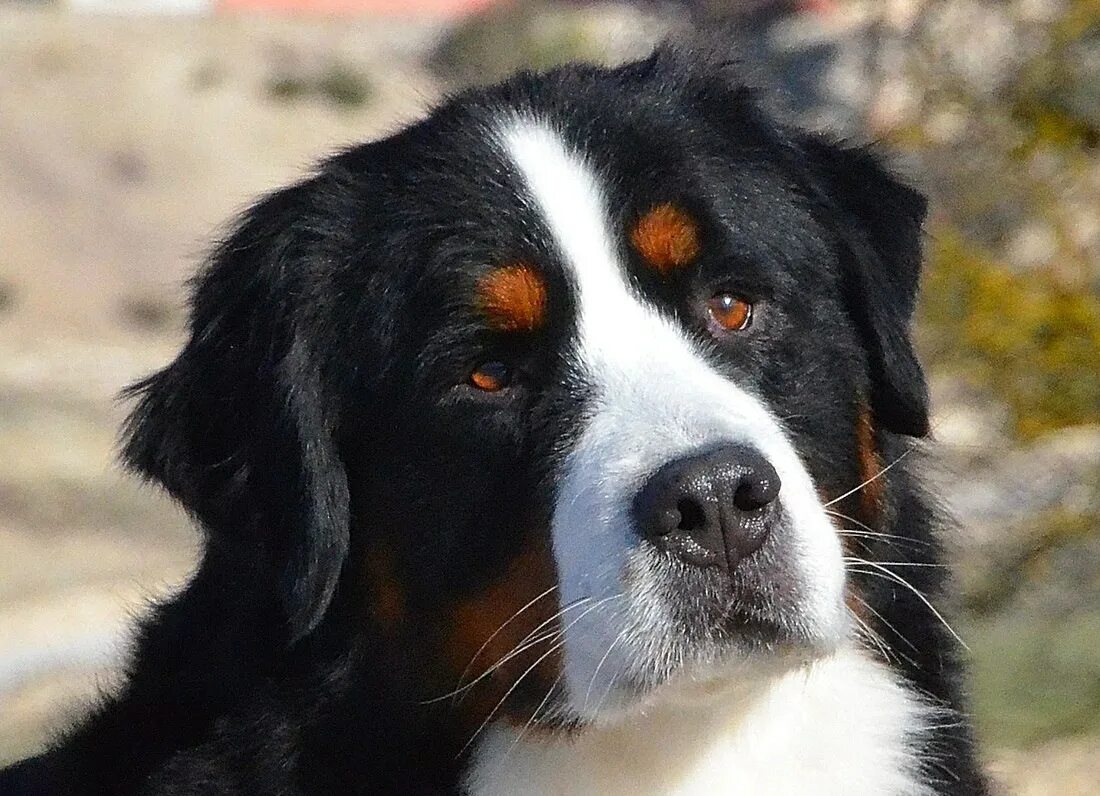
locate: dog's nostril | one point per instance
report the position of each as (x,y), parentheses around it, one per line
(692,516)
(755,492)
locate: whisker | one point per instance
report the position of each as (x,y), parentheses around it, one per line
(525,643)
(558,645)
(889,574)
(867,530)
(611,685)
(837,514)
(858,537)
(531,720)
(887,536)
(508,693)
(575,604)
(872,479)
(515,652)
(496,632)
(588,692)
(856,560)
(874,638)
(891,627)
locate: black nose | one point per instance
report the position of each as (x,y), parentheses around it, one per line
(713,508)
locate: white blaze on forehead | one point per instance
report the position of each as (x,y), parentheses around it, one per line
(655,398)
(572,203)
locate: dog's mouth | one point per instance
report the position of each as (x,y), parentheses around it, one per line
(755,600)
(691,621)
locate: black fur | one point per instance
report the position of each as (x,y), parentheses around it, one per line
(313,418)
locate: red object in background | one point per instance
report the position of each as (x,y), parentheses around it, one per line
(818,6)
(395,8)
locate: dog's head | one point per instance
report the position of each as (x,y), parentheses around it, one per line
(560,381)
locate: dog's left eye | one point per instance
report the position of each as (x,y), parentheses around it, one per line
(491,376)
(730,312)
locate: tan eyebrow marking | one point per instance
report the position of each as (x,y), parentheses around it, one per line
(666,237)
(513,298)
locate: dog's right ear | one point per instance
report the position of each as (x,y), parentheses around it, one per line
(881,220)
(238,428)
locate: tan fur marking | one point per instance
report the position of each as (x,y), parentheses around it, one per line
(486,628)
(666,237)
(873,493)
(513,298)
(857,604)
(387,594)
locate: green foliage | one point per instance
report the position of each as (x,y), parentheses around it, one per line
(338,85)
(532,34)
(1017,319)
(1055,97)
(7,297)
(343,87)
(1035,680)
(1028,337)
(287,88)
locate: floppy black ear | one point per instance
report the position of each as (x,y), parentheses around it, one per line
(881,227)
(237,428)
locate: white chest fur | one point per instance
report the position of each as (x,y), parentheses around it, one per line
(844,725)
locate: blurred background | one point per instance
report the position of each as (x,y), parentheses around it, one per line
(132,130)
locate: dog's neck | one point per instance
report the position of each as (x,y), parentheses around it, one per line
(844,724)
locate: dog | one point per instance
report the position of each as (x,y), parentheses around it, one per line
(564,442)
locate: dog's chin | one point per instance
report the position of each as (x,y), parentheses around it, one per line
(698,632)
(737,663)
(769,608)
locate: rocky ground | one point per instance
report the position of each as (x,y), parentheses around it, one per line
(124,147)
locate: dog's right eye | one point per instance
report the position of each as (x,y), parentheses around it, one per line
(491,376)
(730,312)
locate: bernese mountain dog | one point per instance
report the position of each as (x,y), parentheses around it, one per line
(563,442)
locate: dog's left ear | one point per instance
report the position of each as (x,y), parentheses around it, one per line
(881,222)
(237,428)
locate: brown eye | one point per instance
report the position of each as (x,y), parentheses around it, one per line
(491,376)
(732,313)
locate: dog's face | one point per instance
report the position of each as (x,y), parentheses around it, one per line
(555,387)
